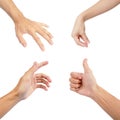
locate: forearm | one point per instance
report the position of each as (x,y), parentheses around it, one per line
(7,102)
(99,8)
(108,103)
(11,9)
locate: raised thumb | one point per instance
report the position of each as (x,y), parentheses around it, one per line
(86,66)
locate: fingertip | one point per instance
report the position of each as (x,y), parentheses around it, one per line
(42,48)
(71,74)
(48,85)
(35,63)
(85,60)
(24,45)
(45,89)
(51,42)
(49,80)
(86,44)
(40,44)
(45,62)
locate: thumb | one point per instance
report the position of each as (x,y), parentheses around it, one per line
(36,66)
(86,66)
(85,38)
(21,39)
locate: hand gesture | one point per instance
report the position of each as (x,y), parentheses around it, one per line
(25,25)
(78,33)
(30,81)
(83,83)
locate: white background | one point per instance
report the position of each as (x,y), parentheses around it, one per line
(59,103)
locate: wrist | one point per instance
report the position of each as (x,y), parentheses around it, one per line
(82,17)
(15,95)
(95,92)
(17,17)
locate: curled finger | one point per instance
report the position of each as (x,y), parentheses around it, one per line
(42,81)
(43,76)
(42,87)
(75,85)
(75,81)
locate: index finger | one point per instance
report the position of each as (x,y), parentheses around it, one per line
(76,75)
(36,66)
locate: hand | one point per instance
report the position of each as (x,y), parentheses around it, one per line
(25,25)
(78,33)
(30,81)
(83,83)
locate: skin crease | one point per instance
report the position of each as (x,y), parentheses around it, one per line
(27,84)
(85,84)
(29,81)
(82,83)
(78,32)
(24,25)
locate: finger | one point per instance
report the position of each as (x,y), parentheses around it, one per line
(21,39)
(43,81)
(76,75)
(36,66)
(85,39)
(74,89)
(75,85)
(43,76)
(37,39)
(46,35)
(51,36)
(86,66)
(43,24)
(42,87)
(75,81)
(78,42)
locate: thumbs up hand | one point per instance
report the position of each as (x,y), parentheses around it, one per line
(83,83)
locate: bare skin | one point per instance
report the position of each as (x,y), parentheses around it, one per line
(85,84)
(78,32)
(24,25)
(27,84)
